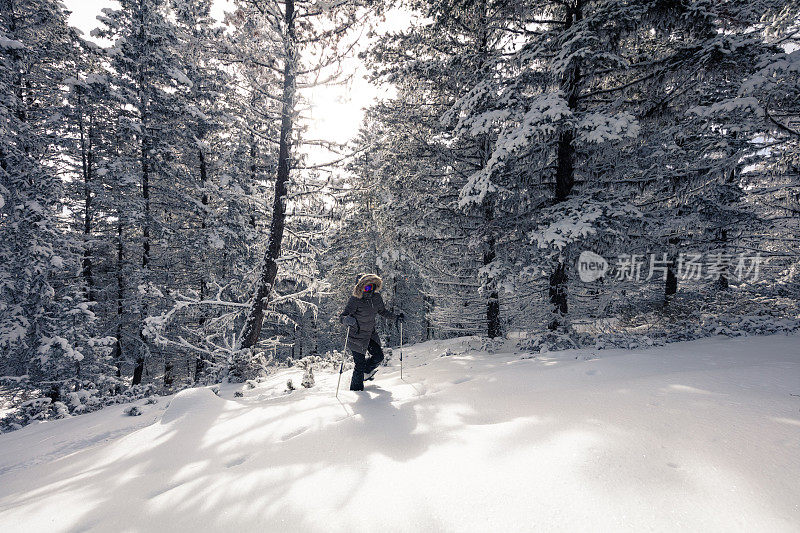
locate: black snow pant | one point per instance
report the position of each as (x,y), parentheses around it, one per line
(365,365)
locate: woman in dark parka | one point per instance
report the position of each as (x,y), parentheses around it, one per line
(359,315)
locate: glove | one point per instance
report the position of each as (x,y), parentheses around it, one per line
(401,317)
(350,321)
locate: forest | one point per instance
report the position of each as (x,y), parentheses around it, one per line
(563,173)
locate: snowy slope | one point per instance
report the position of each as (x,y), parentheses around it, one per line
(703,435)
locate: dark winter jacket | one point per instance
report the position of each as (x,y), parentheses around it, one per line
(363,307)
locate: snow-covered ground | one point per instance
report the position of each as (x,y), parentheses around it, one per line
(701,435)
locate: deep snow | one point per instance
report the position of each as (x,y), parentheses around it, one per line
(702,435)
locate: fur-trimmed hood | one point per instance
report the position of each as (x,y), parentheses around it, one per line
(366,279)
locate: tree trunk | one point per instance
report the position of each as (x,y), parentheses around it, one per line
(255,318)
(570,85)
(199,364)
(203,222)
(671,283)
(87,163)
(492,300)
(722,281)
(428,301)
(169,378)
(671,280)
(145,166)
(138,370)
(199,367)
(558,295)
(484,148)
(118,355)
(565,169)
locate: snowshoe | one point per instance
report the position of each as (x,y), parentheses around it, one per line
(369,376)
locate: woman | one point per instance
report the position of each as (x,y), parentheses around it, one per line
(359,316)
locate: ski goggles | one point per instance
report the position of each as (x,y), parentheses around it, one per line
(368,288)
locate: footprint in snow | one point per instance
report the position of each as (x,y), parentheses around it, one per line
(86,526)
(164,490)
(293,434)
(236,462)
(461,380)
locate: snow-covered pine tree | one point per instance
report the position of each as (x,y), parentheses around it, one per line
(554,125)
(222,125)
(147,79)
(44,315)
(590,78)
(195,232)
(752,126)
(262,162)
(455,223)
(310,40)
(595,137)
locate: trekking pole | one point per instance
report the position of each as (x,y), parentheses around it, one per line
(341,368)
(401,350)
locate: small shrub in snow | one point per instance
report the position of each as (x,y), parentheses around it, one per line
(60,410)
(71,397)
(246,364)
(133,411)
(238,394)
(215,390)
(327,361)
(491,345)
(132,394)
(675,323)
(308,378)
(150,401)
(546,342)
(388,354)
(9,426)
(289,385)
(250,384)
(211,373)
(84,401)
(38,409)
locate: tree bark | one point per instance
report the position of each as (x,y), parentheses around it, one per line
(558,294)
(199,364)
(722,282)
(489,254)
(118,354)
(145,183)
(570,85)
(565,169)
(671,281)
(484,148)
(203,222)
(87,164)
(255,318)
(493,299)
(139,369)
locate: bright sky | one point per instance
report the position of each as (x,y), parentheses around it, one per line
(336,111)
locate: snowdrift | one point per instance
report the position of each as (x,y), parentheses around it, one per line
(703,435)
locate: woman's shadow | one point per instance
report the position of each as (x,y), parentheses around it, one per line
(387,428)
